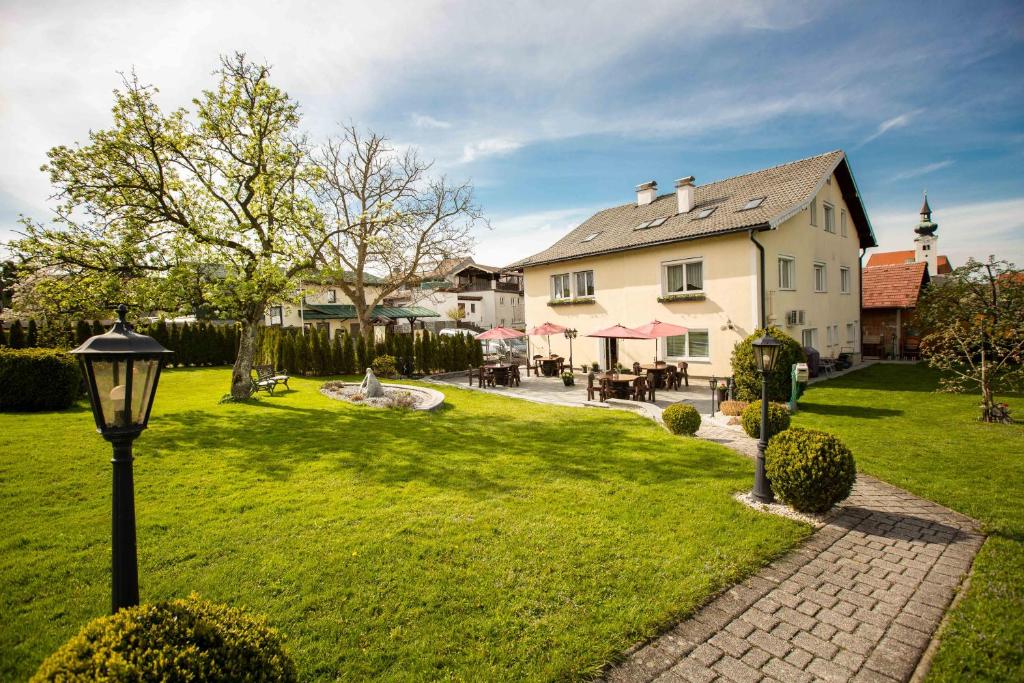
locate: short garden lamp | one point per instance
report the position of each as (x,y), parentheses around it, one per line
(570,334)
(121,371)
(713,381)
(766,352)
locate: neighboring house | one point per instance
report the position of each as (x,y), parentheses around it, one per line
(780,245)
(488,296)
(326,306)
(926,247)
(890,298)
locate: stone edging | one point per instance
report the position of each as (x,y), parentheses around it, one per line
(434,398)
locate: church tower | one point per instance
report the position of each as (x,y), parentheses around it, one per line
(926,242)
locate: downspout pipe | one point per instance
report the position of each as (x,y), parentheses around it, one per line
(761,288)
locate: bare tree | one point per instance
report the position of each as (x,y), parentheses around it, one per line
(386,217)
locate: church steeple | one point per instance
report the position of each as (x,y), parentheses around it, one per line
(926,226)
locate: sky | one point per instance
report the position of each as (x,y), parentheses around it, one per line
(554,110)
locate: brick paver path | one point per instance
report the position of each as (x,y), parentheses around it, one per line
(860,600)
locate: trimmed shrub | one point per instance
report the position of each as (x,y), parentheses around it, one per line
(681,418)
(384,366)
(38,379)
(809,469)
(732,408)
(778,419)
(178,640)
(746,375)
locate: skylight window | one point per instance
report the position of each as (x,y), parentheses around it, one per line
(704,213)
(643,226)
(590,237)
(651,224)
(753,203)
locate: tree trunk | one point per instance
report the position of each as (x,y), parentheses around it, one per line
(241,384)
(986,391)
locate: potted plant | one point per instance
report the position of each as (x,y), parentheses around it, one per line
(723,391)
(594,366)
(568,379)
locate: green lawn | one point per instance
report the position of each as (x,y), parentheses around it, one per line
(494,540)
(933,445)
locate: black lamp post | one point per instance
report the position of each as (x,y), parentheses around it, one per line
(714,389)
(766,350)
(570,334)
(121,371)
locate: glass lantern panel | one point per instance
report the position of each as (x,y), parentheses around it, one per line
(110,391)
(143,379)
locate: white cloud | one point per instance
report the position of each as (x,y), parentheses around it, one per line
(424,121)
(976,230)
(922,170)
(489,147)
(889,124)
(514,237)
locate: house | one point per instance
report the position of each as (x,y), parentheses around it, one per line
(325,306)
(890,298)
(781,245)
(487,296)
(926,246)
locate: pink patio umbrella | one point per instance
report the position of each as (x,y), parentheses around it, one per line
(546,330)
(501,333)
(620,332)
(657,329)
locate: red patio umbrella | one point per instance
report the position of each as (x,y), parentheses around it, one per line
(546,330)
(657,329)
(501,333)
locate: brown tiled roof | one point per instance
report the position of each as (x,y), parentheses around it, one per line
(895,286)
(787,189)
(891,258)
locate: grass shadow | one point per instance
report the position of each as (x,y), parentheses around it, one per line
(861,412)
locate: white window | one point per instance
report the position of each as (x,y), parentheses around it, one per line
(584,283)
(472,308)
(502,300)
(814,212)
(332,296)
(683,277)
(787,272)
(844,280)
(820,278)
(560,286)
(842,222)
(830,217)
(590,237)
(851,333)
(830,331)
(276,316)
(809,337)
(693,344)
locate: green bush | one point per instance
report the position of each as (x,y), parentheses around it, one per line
(809,469)
(681,418)
(778,419)
(384,366)
(746,375)
(38,379)
(179,640)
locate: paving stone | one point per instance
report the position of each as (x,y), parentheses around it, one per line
(799,658)
(730,644)
(690,670)
(706,654)
(769,643)
(756,657)
(765,622)
(829,671)
(854,643)
(784,671)
(735,670)
(815,645)
(739,628)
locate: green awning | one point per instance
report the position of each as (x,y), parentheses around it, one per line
(348,312)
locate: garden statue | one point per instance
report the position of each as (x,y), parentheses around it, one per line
(371,388)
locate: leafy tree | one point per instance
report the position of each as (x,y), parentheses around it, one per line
(393,219)
(456,314)
(222,184)
(973,321)
(8,279)
(16,336)
(747,376)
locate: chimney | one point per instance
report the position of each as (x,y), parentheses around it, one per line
(646,192)
(685,194)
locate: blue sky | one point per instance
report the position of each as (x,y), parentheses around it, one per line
(555,110)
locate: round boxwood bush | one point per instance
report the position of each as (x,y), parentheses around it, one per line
(747,376)
(681,418)
(778,419)
(38,379)
(179,640)
(384,366)
(809,469)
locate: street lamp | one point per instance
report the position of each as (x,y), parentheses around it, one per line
(121,371)
(570,334)
(766,351)
(714,388)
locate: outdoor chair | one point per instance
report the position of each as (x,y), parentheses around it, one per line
(636,368)
(683,375)
(486,378)
(640,389)
(912,348)
(267,372)
(592,390)
(513,375)
(538,365)
(672,377)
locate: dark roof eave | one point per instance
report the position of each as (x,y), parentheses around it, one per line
(604,252)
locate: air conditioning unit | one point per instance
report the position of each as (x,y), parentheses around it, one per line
(795,318)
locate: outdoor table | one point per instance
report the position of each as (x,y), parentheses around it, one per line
(500,371)
(656,373)
(549,366)
(621,384)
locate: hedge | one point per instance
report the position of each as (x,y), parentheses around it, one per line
(747,376)
(38,379)
(179,640)
(809,469)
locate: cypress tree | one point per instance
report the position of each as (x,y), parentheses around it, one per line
(326,353)
(287,354)
(174,343)
(316,365)
(97,328)
(348,355)
(16,336)
(33,333)
(280,341)
(301,353)
(187,345)
(361,360)
(426,357)
(337,355)
(3,335)
(160,332)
